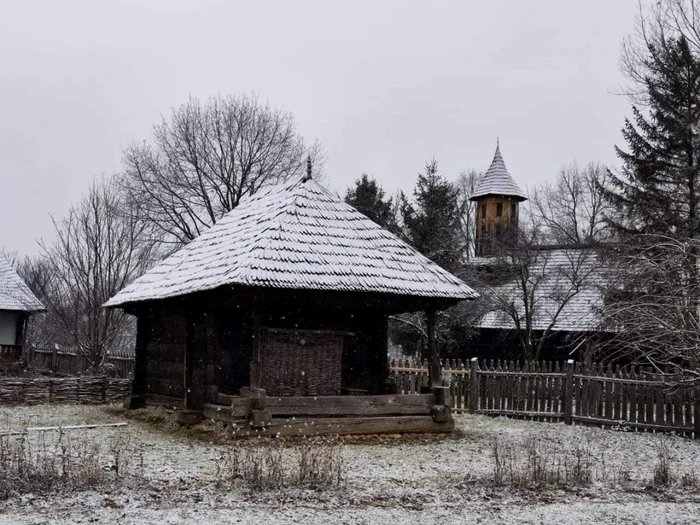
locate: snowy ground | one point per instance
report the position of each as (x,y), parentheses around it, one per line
(421,480)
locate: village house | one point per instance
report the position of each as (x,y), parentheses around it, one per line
(275,320)
(17,304)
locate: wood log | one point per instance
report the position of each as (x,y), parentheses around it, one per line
(260,418)
(409,404)
(349,426)
(61,428)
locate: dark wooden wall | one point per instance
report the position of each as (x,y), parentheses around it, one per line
(194,351)
(165,354)
(235,345)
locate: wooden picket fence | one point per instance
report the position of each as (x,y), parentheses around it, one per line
(627,398)
(69,362)
(10,352)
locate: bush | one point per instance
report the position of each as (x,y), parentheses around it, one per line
(533,464)
(41,463)
(265,464)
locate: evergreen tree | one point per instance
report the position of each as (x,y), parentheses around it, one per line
(368,197)
(657,190)
(653,302)
(432,221)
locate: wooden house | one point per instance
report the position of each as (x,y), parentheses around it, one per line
(275,319)
(17,303)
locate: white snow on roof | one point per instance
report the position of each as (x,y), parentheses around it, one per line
(14,293)
(497,181)
(557,273)
(296,235)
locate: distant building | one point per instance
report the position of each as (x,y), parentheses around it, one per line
(17,303)
(497,198)
(564,282)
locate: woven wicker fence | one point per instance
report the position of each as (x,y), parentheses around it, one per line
(67,390)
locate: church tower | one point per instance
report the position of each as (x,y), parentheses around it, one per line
(497,199)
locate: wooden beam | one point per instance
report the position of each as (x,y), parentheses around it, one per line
(138,385)
(434,370)
(347,426)
(256,360)
(410,404)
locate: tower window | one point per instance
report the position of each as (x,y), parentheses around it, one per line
(483,211)
(513,210)
(499,209)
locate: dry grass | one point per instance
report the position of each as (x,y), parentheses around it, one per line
(268,464)
(53,461)
(532,464)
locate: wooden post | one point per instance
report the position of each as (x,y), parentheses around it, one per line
(696,416)
(188,363)
(138,384)
(569,392)
(434,369)
(54,359)
(256,360)
(473,386)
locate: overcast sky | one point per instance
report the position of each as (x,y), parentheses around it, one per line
(384,86)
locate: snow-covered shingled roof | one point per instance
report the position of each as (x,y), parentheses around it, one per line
(296,235)
(497,181)
(14,293)
(556,272)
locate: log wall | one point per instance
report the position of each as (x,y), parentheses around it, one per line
(165,355)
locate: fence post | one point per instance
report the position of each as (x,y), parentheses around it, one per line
(569,392)
(473,386)
(54,359)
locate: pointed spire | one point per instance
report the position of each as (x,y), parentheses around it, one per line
(497,180)
(308,168)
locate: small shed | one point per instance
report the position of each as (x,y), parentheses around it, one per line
(276,319)
(17,303)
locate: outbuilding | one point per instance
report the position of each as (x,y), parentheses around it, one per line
(17,304)
(275,319)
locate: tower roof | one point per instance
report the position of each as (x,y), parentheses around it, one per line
(497,181)
(296,235)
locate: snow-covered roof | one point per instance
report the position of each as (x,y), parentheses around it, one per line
(558,273)
(296,235)
(497,181)
(14,293)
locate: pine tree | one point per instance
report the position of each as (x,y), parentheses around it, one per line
(653,302)
(432,221)
(658,188)
(368,197)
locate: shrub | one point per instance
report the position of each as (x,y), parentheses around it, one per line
(266,464)
(41,462)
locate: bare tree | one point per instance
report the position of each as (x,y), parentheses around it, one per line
(651,305)
(98,250)
(530,288)
(655,27)
(206,157)
(466,184)
(43,328)
(572,210)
